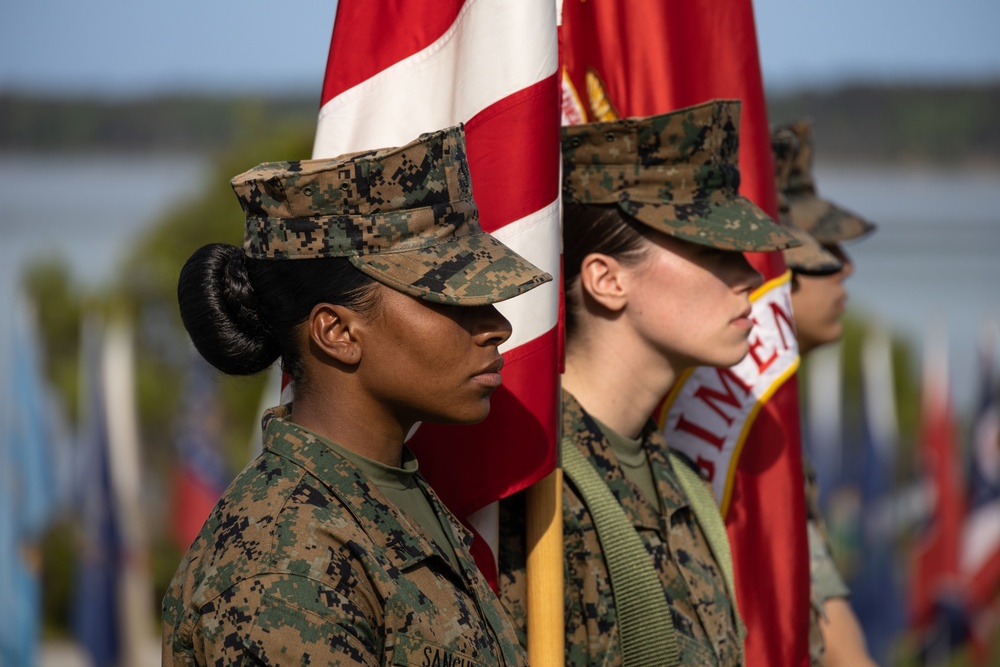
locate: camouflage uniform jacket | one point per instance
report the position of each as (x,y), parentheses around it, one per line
(304,561)
(695,589)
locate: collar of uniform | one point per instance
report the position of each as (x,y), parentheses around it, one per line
(581,429)
(361,497)
(672,495)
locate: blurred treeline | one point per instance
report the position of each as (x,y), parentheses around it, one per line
(925,124)
(936,124)
(856,123)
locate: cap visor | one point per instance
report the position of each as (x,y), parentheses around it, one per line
(810,257)
(470,270)
(736,224)
(825,221)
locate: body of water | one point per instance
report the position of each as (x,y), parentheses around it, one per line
(932,262)
(933,265)
(83,209)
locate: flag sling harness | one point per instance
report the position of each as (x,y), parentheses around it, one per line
(645,624)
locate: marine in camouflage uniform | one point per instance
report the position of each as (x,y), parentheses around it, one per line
(677,174)
(704,620)
(305,560)
(819,224)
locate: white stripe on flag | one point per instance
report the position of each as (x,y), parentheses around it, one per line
(454,78)
(536,238)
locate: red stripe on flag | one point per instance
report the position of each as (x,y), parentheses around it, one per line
(400,29)
(507,154)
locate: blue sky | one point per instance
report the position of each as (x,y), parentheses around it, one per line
(134,46)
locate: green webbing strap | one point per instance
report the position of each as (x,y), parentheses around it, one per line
(706,510)
(645,625)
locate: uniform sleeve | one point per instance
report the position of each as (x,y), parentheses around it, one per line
(826,581)
(287,619)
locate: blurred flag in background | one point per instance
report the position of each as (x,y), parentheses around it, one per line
(936,606)
(979,557)
(27,492)
(96,607)
(876,594)
(113,606)
(201,474)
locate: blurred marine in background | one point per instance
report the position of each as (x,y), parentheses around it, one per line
(819,268)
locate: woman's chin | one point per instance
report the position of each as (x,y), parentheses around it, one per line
(472,415)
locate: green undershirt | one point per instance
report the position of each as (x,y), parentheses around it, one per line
(632,458)
(400,486)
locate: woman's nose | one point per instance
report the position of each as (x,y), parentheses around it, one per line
(491,327)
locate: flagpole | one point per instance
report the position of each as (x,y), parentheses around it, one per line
(546,633)
(136,589)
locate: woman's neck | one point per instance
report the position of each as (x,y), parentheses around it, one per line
(352,426)
(620,383)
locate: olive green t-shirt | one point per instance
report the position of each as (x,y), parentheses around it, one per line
(633,460)
(400,486)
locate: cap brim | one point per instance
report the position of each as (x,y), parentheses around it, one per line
(735,224)
(810,257)
(470,270)
(825,221)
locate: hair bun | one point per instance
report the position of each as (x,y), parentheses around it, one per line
(221,312)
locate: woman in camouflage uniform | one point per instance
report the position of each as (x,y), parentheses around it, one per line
(371,279)
(819,297)
(655,284)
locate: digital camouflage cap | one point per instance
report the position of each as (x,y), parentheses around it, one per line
(824,220)
(810,257)
(676,172)
(404,216)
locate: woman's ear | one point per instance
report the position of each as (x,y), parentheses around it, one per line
(333,330)
(603,280)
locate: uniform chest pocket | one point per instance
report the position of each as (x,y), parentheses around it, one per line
(415,652)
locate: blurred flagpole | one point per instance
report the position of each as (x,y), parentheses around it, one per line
(825,415)
(135,587)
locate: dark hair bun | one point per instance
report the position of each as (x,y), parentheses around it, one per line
(221,312)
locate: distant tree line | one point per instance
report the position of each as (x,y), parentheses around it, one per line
(931,124)
(166,123)
(898,124)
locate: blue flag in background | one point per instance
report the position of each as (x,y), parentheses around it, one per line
(876,594)
(27,495)
(95,605)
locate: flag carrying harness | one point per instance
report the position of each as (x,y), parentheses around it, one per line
(645,625)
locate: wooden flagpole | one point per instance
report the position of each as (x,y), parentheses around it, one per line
(546,593)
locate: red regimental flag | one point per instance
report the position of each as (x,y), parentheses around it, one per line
(396,70)
(935,575)
(646,57)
